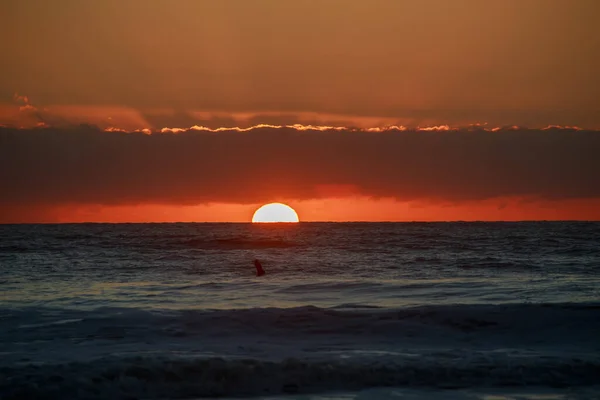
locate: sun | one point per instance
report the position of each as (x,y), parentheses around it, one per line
(275,212)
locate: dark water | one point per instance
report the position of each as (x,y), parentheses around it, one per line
(175,310)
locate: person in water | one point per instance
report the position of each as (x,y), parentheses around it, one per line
(259,269)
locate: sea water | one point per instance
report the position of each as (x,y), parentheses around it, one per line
(345,310)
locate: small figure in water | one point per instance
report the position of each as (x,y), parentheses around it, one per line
(259,269)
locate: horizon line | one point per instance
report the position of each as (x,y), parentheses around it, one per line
(306,222)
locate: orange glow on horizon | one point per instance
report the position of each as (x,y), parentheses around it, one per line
(345,209)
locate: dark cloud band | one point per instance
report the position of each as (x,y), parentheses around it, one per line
(85,165)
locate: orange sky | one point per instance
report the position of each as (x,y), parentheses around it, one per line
(329,209)
(147,65)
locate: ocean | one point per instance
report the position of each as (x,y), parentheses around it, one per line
(345,311)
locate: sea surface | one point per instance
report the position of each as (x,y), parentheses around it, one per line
(345,311)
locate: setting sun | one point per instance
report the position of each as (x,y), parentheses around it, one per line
(275,212)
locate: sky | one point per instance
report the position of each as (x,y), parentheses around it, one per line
(380,110)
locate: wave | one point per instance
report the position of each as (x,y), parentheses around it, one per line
(164,244)
(238,243)
(210,377)
(208,243)
(508,324)
(57,238)
(123,352)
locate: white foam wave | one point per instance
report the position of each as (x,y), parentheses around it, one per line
(179,378)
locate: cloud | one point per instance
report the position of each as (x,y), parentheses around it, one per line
(130,118)
(87,165)
(414,63)
(23,113)
(20,99)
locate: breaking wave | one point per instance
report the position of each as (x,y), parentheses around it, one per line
(180,378)
(577,319)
